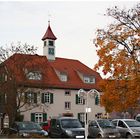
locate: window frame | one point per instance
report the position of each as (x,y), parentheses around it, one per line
(51,51)
(63,77)
(67,105)
(34,75)
(51,43)
(67,93)
(89,79)
(30,97)
(38,116)
(47,97)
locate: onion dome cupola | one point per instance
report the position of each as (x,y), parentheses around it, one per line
(49,43)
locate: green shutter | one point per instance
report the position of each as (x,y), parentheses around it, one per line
(35,97)
(42,98)
(76,99)
(33,117)
(78,116)
(51,96)
(83,101)
(96,100)
(44,117)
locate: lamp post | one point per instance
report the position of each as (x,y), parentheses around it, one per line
(85,95)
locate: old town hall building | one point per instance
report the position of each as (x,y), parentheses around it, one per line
(40,87)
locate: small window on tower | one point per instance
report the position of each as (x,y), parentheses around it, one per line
(44,43)
(51,43)
(51,51)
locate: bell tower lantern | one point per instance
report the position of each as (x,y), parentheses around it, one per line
(49,43)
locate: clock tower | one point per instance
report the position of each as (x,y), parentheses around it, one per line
(49,43)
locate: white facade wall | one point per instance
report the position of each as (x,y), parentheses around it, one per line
(58,106)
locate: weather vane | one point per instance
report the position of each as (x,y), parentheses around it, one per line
(49,16)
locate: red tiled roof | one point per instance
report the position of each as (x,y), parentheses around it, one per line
(18,64)
(49,34)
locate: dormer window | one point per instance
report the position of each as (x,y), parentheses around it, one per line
(63,77)
(34,75)
(89,79)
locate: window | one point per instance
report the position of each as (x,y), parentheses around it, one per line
(89,79)
(121,124)
(30,97)
(94,124)
(80,100)
(67,105)
(51,43)
(67,93)
(47,97)
(34,76)
(38,117)
(63,77)
(115,122)
(51,51)
(45,43)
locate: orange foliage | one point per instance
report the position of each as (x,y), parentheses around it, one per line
(117,49)
(120,95)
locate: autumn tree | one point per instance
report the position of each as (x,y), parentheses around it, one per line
(118,48)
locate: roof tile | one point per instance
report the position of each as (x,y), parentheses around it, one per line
(19,63)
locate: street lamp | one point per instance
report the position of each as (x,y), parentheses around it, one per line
(85,95)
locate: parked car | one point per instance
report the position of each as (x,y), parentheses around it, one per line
(138,118)
(27,129)
(45,125)
(102,128)
(66,127)
(128,128)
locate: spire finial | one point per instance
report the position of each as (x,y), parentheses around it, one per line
(48,22)
(49,16)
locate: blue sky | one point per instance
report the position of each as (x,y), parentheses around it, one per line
(73,23)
